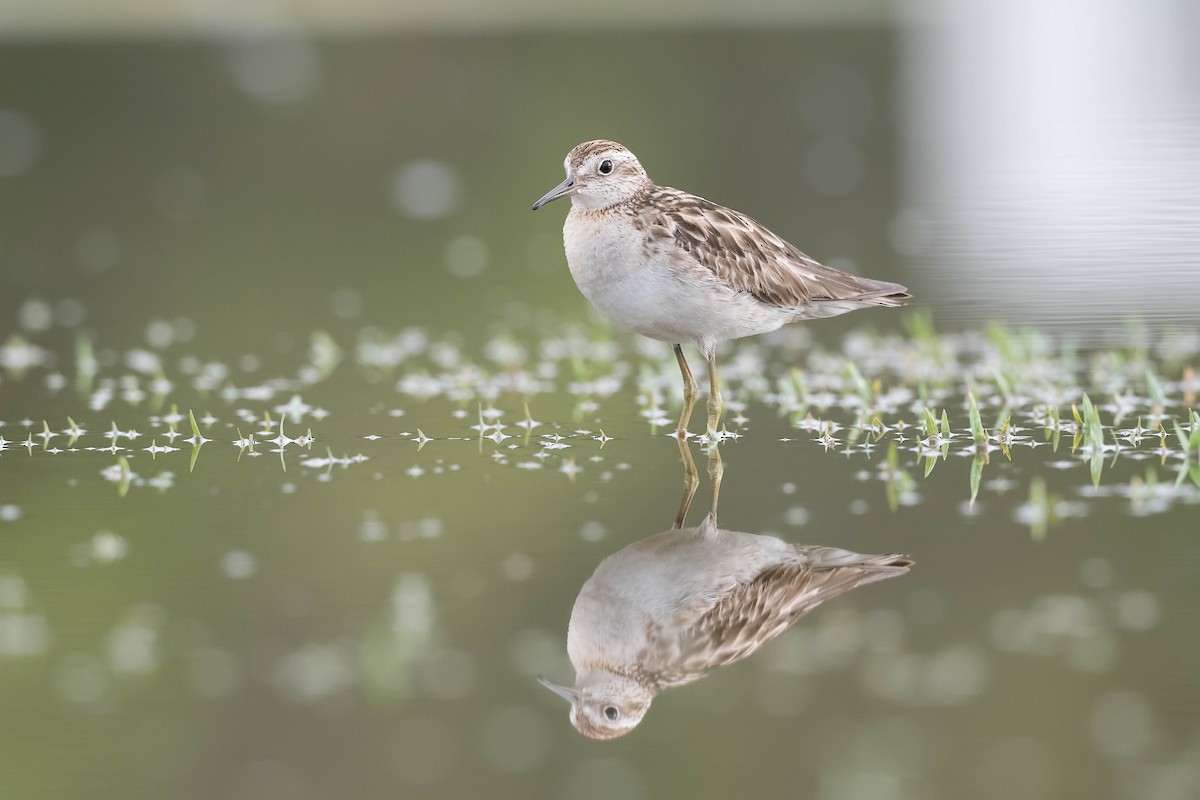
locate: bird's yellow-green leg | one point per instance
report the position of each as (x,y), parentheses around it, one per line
(716,469)
(690,388)
(691,479)
(715,404)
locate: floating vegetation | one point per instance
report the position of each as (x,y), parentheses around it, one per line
(923,398)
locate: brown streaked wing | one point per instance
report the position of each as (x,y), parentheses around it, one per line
(756,612)
(750,258)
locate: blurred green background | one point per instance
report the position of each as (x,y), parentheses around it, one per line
(164,183)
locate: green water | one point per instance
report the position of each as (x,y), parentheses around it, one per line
(360,607)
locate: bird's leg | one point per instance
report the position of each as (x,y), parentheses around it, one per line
(716,469)
(691,479)
(715,404)
(689,393)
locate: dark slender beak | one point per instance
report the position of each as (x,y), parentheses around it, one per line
(570,695)
(564,189)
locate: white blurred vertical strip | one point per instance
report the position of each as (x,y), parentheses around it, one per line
(1052,157)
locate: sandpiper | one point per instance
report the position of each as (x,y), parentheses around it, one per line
(675,267)
(671,608)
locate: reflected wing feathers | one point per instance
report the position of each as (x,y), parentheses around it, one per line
(756,611)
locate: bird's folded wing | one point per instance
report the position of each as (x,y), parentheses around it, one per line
(748,257)
(755,612)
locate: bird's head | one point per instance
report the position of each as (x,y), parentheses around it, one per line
(600,174)
(604,708)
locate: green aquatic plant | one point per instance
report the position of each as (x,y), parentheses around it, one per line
(1004,436)
(1189,445)
(86,366)
(918,324)
(1090,431)
(860,386)
(931,425)
(1154,388)
(875,389)
(977,465)
(937,439)
(126,476)
(1052,426)
(197,441)
(1002,384)
(978,434)
(74,431)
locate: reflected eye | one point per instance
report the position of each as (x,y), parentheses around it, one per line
(606,168)
(610,711)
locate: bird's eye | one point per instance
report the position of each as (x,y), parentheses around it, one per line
(610,711)
(606,168)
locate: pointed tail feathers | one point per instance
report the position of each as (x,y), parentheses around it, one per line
(883,293)
(874,567)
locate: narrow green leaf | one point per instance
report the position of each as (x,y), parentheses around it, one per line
(1154,388)
(1182,474)
(1002,383)
(126,476)
(977,431)
(85,363)
(976,476)
(1185,441)
(861,387)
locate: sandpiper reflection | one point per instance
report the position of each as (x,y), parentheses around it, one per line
(670,608)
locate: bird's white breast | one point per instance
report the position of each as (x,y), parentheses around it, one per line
(649,288)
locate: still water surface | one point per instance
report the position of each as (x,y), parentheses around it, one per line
(359,578)
(419,447)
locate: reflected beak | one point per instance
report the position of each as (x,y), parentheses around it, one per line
(564,189)
(570,695)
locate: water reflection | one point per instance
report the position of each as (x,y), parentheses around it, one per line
(670,608)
